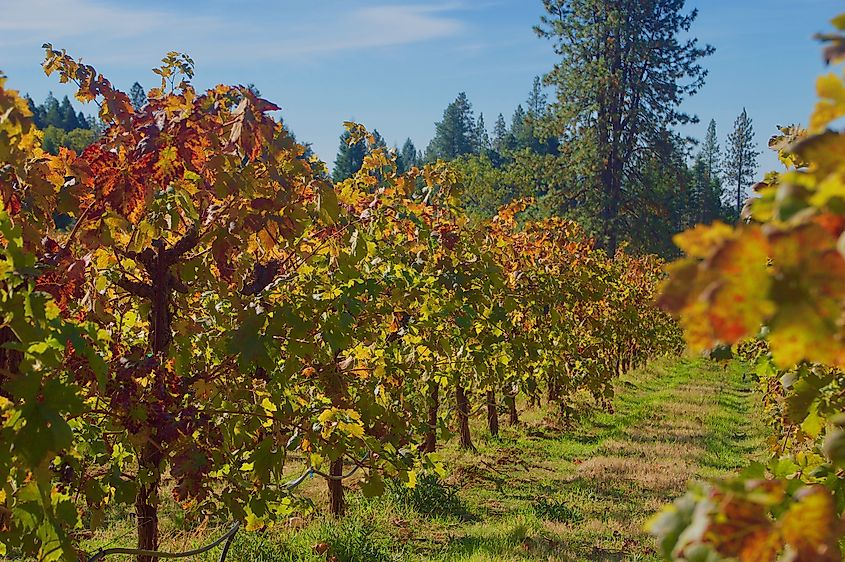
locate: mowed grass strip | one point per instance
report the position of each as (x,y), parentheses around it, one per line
(542,491)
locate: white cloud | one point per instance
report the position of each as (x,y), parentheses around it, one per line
(263,31)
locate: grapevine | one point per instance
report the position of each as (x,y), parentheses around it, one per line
(220,313)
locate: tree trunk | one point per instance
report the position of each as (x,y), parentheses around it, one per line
(463,418)
(492,413)
(146,502)
(337,504)
(565,412)
(617,362)
(554,389)
(512,413)
(433,407)
(157,260)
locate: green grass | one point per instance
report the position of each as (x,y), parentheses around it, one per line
(539,491)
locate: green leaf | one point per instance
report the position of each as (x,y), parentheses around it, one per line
(327,203)
(373,486)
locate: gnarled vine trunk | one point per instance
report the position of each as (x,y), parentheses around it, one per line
(554,389)
(433,407)
(492,413)
(337,503)
(463,417)
(513,415)
(146,501)
(565,411)
(157,261)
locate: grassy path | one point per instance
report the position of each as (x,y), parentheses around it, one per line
(585,494)
(541,493)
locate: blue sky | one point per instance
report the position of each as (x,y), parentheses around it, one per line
(394,65)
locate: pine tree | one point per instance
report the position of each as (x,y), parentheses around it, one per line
(532,134)
(665,182)
(138,96)
(707,176)
(481,137)
(537,100)
(94,124)
(711,154)
(624,69)
(707,189)
(69,120)
(350,157)
(741,159)
(408,156)
(521,132)
(51,113)
(500,135)
(454,134)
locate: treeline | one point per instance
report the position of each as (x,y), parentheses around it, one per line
(62,125)
(605,151)
(685,182)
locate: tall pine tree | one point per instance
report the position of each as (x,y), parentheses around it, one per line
(500,135)
(537,100)
(68,117)
(138,96)
(711,153)
(624,69)
(706,177)
(408,156)
(455,134)
(741,158)
(521,133)
(51,112)
(350,156)
(481,136)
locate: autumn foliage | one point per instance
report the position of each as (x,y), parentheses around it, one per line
(773,287)
(218,306)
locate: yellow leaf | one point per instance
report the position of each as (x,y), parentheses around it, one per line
(809,289)
(351,429)
(703,240)
(352,414)
(831,106)
(738,297)
(253,523)
(822,151)
(810,525)
(268,405)
(832,187)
